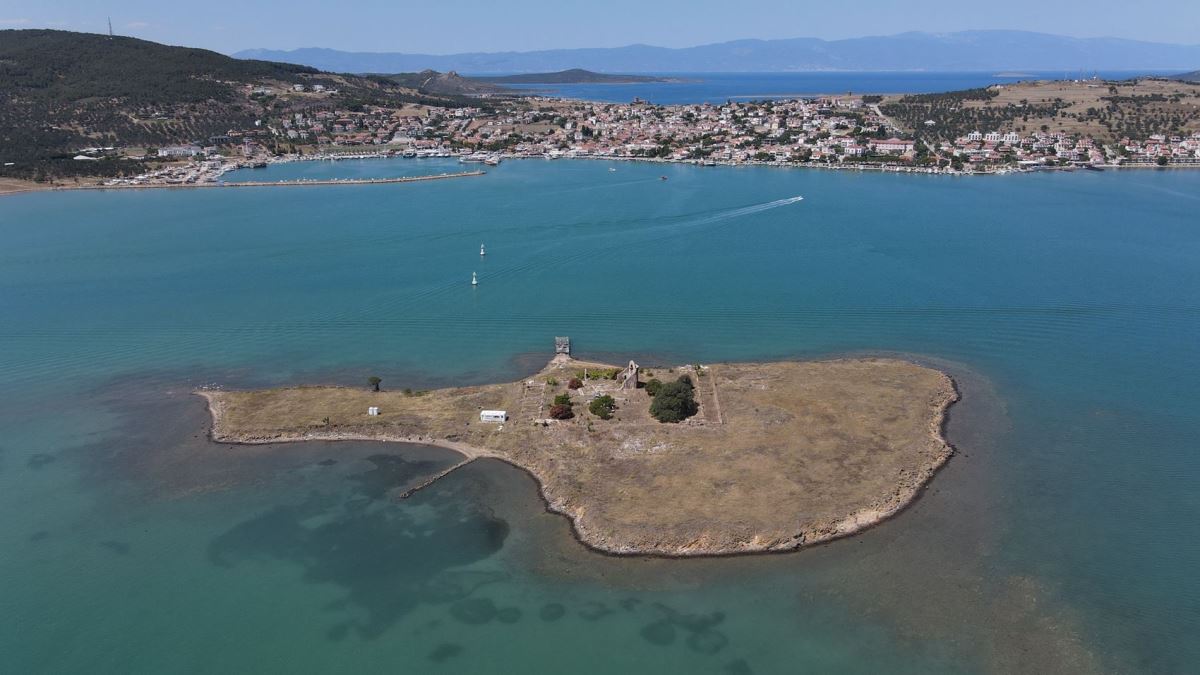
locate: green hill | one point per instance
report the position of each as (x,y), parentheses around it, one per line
(62,66)
(62,91)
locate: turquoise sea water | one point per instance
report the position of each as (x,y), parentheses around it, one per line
(1062,538)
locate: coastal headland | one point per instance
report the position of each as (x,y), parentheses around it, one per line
(779,455)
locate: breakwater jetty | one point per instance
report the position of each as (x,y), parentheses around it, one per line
(289,183)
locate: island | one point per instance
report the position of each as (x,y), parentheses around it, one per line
(771,457)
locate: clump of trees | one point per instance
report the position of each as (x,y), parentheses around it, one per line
(674,401)
(603,406)
(574,383)
(562,409)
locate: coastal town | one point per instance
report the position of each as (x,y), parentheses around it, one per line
(846,132)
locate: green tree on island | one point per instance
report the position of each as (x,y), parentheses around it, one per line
(603,406)
(675,401)
(374,382)
(562,408)
(653,386)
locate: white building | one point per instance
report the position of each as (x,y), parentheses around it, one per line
(493,415)
(179,151)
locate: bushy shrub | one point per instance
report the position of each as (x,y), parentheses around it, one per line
(574,383)
(562,399)
(559,411)
(600,373)
(653,386)
(602,406)
(675,401)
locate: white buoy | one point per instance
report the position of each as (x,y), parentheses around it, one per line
(481,250)
(474,280)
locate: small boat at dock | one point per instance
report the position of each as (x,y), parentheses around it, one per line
(480,158)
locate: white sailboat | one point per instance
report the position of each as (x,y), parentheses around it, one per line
(474,279)
(481,250)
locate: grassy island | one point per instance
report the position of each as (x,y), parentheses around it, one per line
(777,455)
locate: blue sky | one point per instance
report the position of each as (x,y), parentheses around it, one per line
(446,26)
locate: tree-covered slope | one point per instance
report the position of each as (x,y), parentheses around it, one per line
(63,67)
(61,91)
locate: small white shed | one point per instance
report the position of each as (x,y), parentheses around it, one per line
(493,415)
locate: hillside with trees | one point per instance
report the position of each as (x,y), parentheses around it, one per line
(62,91)
(1104,110)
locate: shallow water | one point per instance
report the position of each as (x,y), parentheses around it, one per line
(1062,538)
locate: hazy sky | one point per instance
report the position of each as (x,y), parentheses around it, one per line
(446,26)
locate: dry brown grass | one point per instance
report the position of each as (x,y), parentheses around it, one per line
(14,185)
(807,451)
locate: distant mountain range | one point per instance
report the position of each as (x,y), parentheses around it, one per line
(985,50)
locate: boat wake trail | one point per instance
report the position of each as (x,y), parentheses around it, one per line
(671,228)
(748,210)
(639,235)
(657,232)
